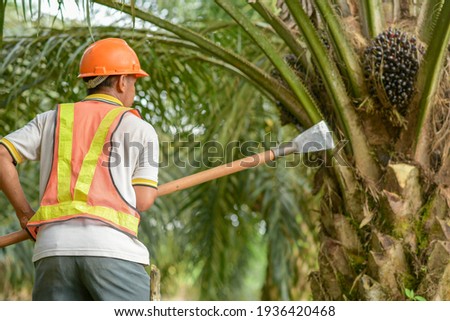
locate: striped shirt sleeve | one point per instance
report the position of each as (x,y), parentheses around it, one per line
(146,171)
(12,150)
(144,182)
(25,143)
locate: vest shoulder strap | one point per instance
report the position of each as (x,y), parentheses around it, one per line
(90,161)
(66,114)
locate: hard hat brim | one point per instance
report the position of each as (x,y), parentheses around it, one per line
(141,73)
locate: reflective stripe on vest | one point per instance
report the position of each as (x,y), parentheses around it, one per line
(64,172)
(65,206)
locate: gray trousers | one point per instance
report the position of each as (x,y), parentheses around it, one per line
(85,278)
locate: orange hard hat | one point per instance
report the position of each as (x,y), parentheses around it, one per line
(111,56)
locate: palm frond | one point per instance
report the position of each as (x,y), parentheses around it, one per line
(343,109)
(429,13)
(294,83)
(349,64)
(430,74)
(372,13)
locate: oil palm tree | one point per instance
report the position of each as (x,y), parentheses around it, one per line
(377,72)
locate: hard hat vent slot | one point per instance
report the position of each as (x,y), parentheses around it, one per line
(100,70)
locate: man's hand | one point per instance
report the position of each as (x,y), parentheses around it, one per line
(24,218)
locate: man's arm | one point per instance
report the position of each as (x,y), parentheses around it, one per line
(10,185)
(145,197)
(145,175)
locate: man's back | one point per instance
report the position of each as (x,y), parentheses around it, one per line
(133,152)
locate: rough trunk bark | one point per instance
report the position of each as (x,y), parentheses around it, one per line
(400,242)
(155,283)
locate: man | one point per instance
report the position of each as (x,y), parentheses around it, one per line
(98,170)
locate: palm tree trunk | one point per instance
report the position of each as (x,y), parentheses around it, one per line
(401,244)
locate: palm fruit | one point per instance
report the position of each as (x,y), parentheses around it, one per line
(390,65)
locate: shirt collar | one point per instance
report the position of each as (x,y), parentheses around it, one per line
(104,98)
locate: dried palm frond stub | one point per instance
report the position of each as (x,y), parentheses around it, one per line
(391,62)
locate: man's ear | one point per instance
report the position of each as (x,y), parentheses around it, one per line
(121,83)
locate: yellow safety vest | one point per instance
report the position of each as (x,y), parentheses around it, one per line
(80,183)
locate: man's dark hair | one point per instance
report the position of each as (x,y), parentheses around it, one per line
(108,82)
